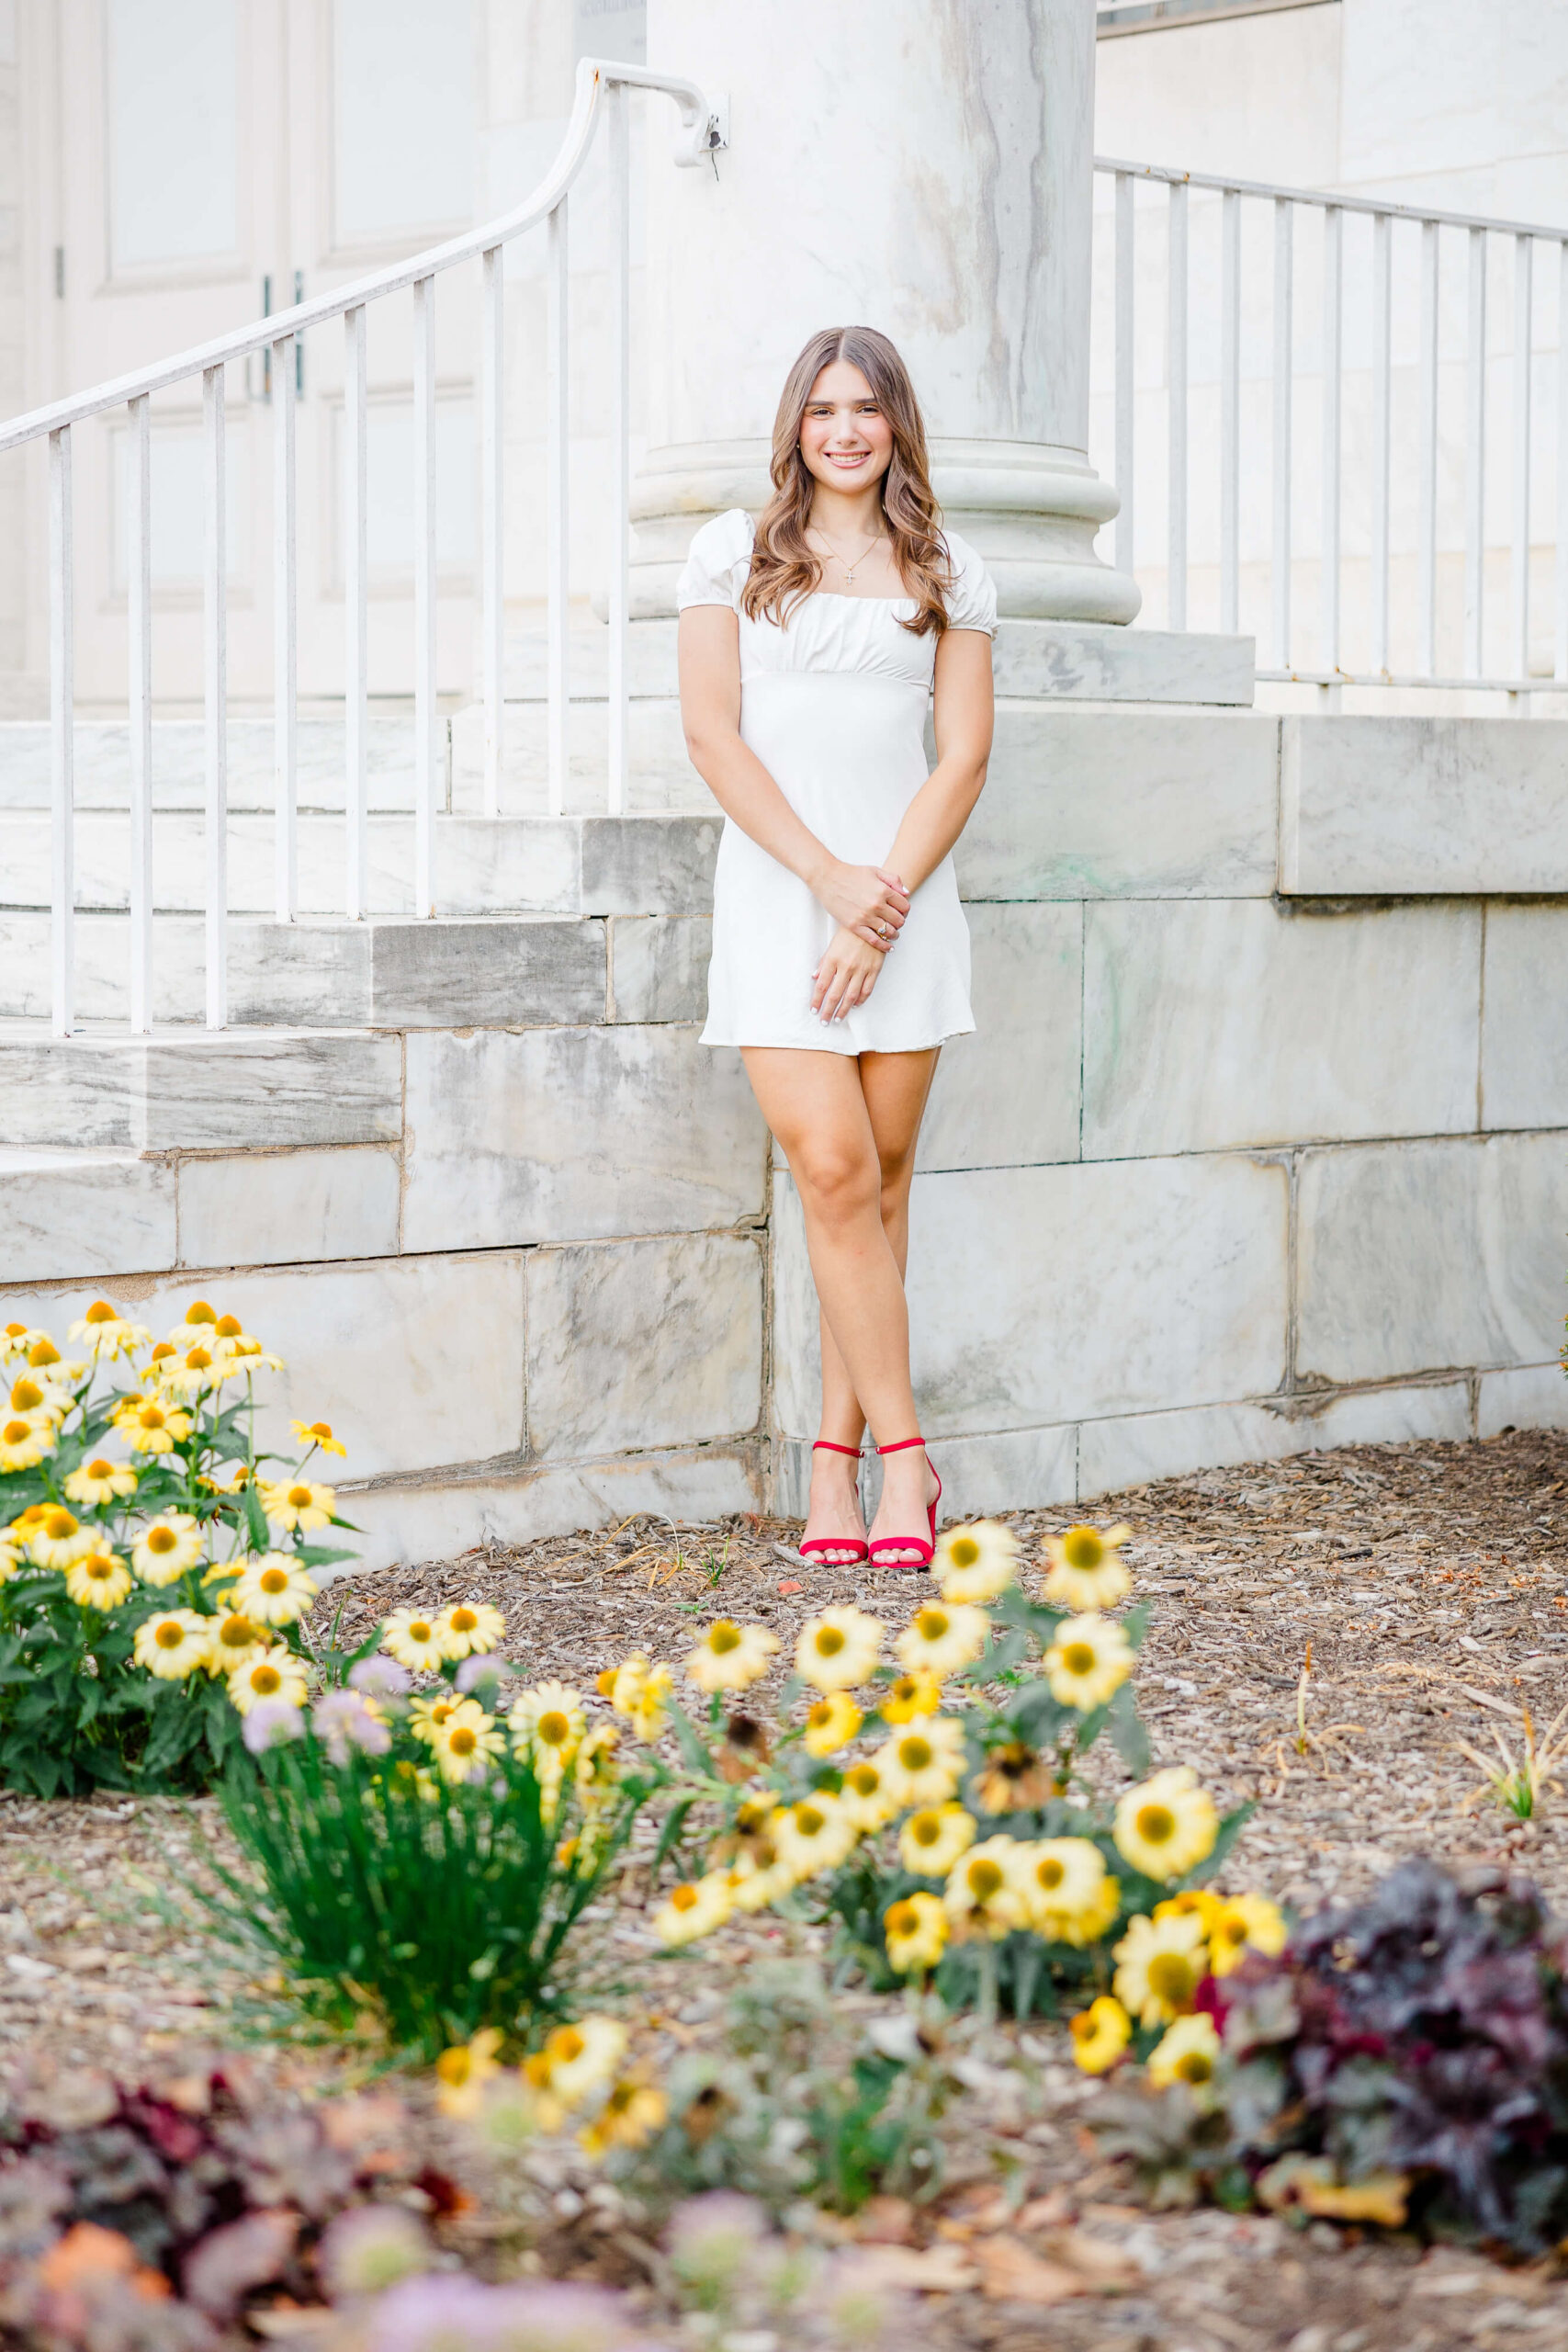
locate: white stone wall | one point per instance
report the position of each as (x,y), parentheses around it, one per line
(1262,1145)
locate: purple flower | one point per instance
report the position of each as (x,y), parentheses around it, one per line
(271,1722)
(476,1670)
(342,1719)
(379,1678)
(459,2313)
(371,2247)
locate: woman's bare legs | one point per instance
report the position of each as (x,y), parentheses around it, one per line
(848,1129)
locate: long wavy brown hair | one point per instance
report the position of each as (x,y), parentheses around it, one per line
(784,568)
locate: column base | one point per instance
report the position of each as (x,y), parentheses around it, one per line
(1030,510)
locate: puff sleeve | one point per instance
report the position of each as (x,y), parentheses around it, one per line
(972,602)
(717,562)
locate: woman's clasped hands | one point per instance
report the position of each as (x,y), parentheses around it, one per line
(871,906)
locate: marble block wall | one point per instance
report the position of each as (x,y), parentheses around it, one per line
(1261,1144)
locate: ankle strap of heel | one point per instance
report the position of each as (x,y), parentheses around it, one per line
(902,1446)
(826,1446)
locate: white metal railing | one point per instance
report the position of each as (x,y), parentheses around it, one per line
(1424,467)
(602,88)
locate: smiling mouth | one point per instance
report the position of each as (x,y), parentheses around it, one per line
(847,456)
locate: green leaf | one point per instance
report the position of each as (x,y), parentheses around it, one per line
(255,1522)
(1230,1827)
(1128,1735)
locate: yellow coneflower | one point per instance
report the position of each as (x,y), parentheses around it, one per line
(99,1581)
(942,1638)
(911,1695)
(427,1714)
(932,1840)
(975,1563)
(57,1537)
(1160,1965)
(166,1548)
(276,1588)
(469,1628)
(730,1656)
(462,2072)
(633,2111)
(1188,2052)
(466,1742)
(1167,1825)
(831,1723)
(236,1639)
(1100,2033)
(150,1427)
(23,1443)
(100,1482)
(983,1895)
(317,1435)
(924,1763)
(1242,1923)
(298,1502)
(107,1332)
(269,1674)
(915,1931)
(174,1645)
(814,1834)
(188,1374)
(16,1339)
(548,1721)
(38,1402)
(1088,1662)
(867,1801)
(1199,1900)
(838,1650)
(695,1909)
(414,1638)
(1062,1879)
(582,2057)
(1014,1779)
(1086,1570)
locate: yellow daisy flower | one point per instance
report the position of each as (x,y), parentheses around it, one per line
(911,1695)
(865,1798)
(982,1896)
(267,1674)
(57,1537)
(467,1742)
(168,1546)
(23,1443)
(414,1638)
(462,2072)
(16,1339)
(99,1581)
(189,1373)
(236,1639)
(1160,1965)
(1199,1900)
(633,2111)
(730,1656)
(197,1314)
(275,1589)
(39,1401)
(648,1713)
(44,1358)
(1188,2052)
(758,1878)
(1088,1662)
(318,1434)
(831,1723)
(150,1426)
(932,1840)
(548,1721)
(1093,1925)
(975,1563)
(297,1502)
(1086,1570)
(471,1628)
(916,1932)
(1246,1923)
(1167,1825)
(839,1649)
(174,1645)
(924,1763)
(107,1332)
(814,1834)
(1064,1880)
(596,1768)
(100,1482)
(427,1714)
(1100,2033)
(583,2057)
(695,1909)
(942,1637)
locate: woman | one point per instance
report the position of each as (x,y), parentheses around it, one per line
(840,958)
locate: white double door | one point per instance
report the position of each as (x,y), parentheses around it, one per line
(210,159)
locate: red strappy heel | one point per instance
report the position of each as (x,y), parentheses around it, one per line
(885,1543)
(853,1544)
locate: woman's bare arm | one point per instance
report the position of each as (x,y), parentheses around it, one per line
(858,897)
(964,718)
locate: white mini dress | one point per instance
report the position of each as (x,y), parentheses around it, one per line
(834,705)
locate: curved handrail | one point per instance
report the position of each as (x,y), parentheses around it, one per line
(699,121)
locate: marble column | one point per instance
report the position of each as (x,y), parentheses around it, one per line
(924,168)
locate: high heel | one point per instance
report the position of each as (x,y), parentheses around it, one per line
(885,1544)
(853,1544)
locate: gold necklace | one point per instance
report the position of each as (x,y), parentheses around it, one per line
(850,569)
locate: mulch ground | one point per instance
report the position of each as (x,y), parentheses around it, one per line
(1429,1581)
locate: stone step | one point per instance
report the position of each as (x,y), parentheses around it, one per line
(204,1091)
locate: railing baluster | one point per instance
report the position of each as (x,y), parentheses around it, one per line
(1126,384)
(285,638)
(620,447)
(214,692)
(1559,663)
(61,737)
(355,618)
(1523,256)
(425,595)
(1176,591)
(492,502)
(1475,459)
(1230,410)
(1284,387)
(1427,614)
(138,616)
(557,582)
(1333,283)
(1382,305)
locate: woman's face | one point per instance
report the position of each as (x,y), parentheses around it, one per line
(845,439)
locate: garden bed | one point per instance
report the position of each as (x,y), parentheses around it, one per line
(1429,1579)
